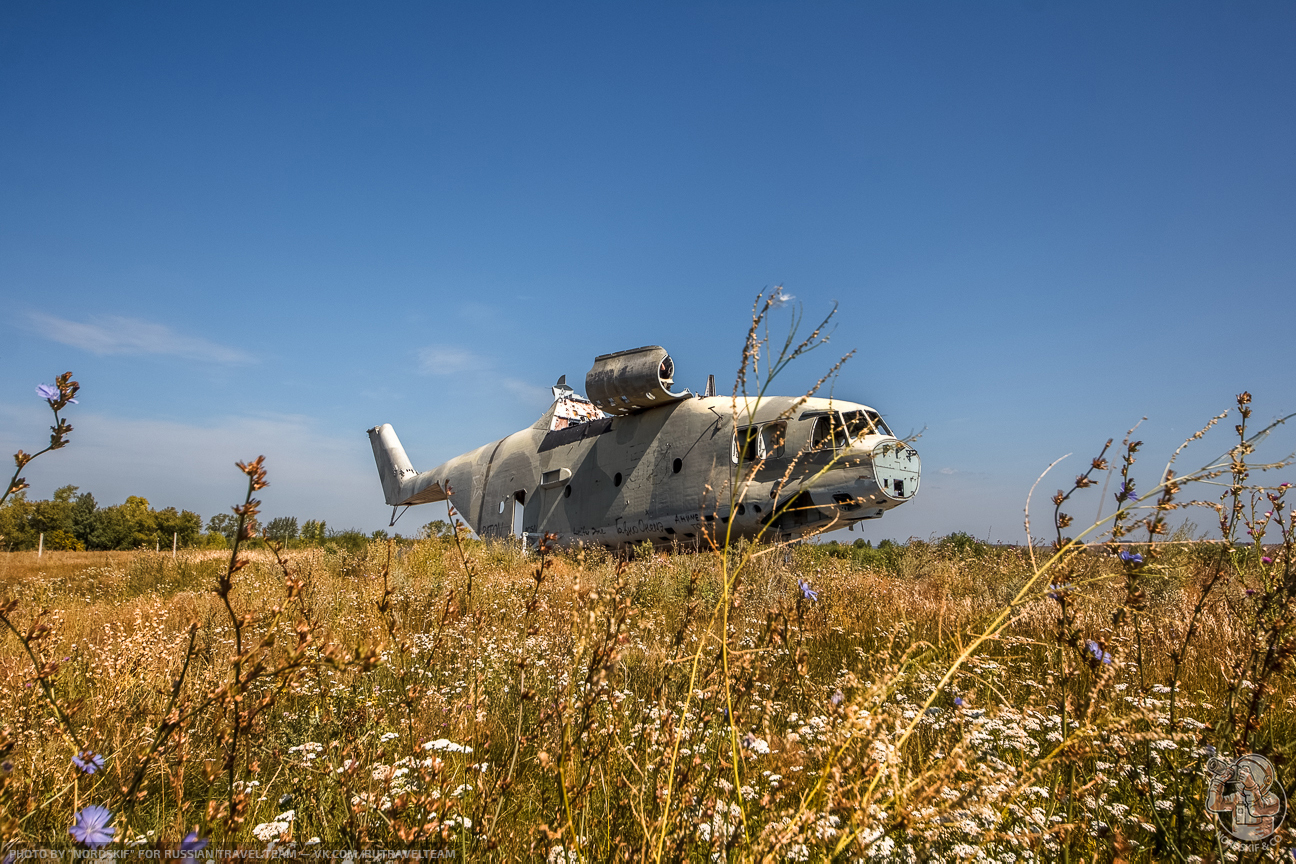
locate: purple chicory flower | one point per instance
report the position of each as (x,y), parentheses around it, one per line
(1098,653)
(192,844)
(837,698)
(806,593)
(50,394)
(958,702)
(88,761)
(1126,491)
(1131,558)
(1060,592)
(91,826)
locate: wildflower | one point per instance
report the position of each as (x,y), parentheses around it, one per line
(1098,653)
(50,394)
(270,830)
(836,698)
(192,844)
(1132,559)
(1265,559)
(958,702)
(88,761)
(1059,592)
(91,826)
(806,593)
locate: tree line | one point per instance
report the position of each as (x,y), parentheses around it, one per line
(73,520)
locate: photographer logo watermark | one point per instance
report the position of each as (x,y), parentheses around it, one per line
(1247,802)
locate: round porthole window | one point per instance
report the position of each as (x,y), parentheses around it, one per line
(679,463)
(567,491)
(742,508)
(616,479)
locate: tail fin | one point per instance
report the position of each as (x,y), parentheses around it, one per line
(393,465)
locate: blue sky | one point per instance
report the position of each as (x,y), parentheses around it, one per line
(264,228)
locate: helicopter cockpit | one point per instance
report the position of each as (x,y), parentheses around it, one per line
(836,430)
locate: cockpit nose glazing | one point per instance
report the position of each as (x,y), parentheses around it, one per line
(897,469)
(864,422)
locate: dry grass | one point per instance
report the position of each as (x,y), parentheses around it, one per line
(595,706)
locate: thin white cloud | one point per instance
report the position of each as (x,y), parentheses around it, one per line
(447,360)
(116,334)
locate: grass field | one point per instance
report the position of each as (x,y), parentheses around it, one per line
(422,697)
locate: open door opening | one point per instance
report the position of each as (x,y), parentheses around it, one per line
(519,503)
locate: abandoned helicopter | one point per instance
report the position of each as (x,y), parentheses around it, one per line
(633,461)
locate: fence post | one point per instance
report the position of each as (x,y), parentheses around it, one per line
(40,550)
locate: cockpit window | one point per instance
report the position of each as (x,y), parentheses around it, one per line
(829,433)
(773,439)
(747,446)
(754,444)
(866,422)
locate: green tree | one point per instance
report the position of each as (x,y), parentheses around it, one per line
(435,528)
(350,540)
(314,531)
(56,514)
(962,544)
(223,524)
(129,525)
(22,522)
(83,516)
(183,527)
(15,523)
(281,529)
(72,521)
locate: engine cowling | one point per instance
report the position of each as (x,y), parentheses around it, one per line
(631,381)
